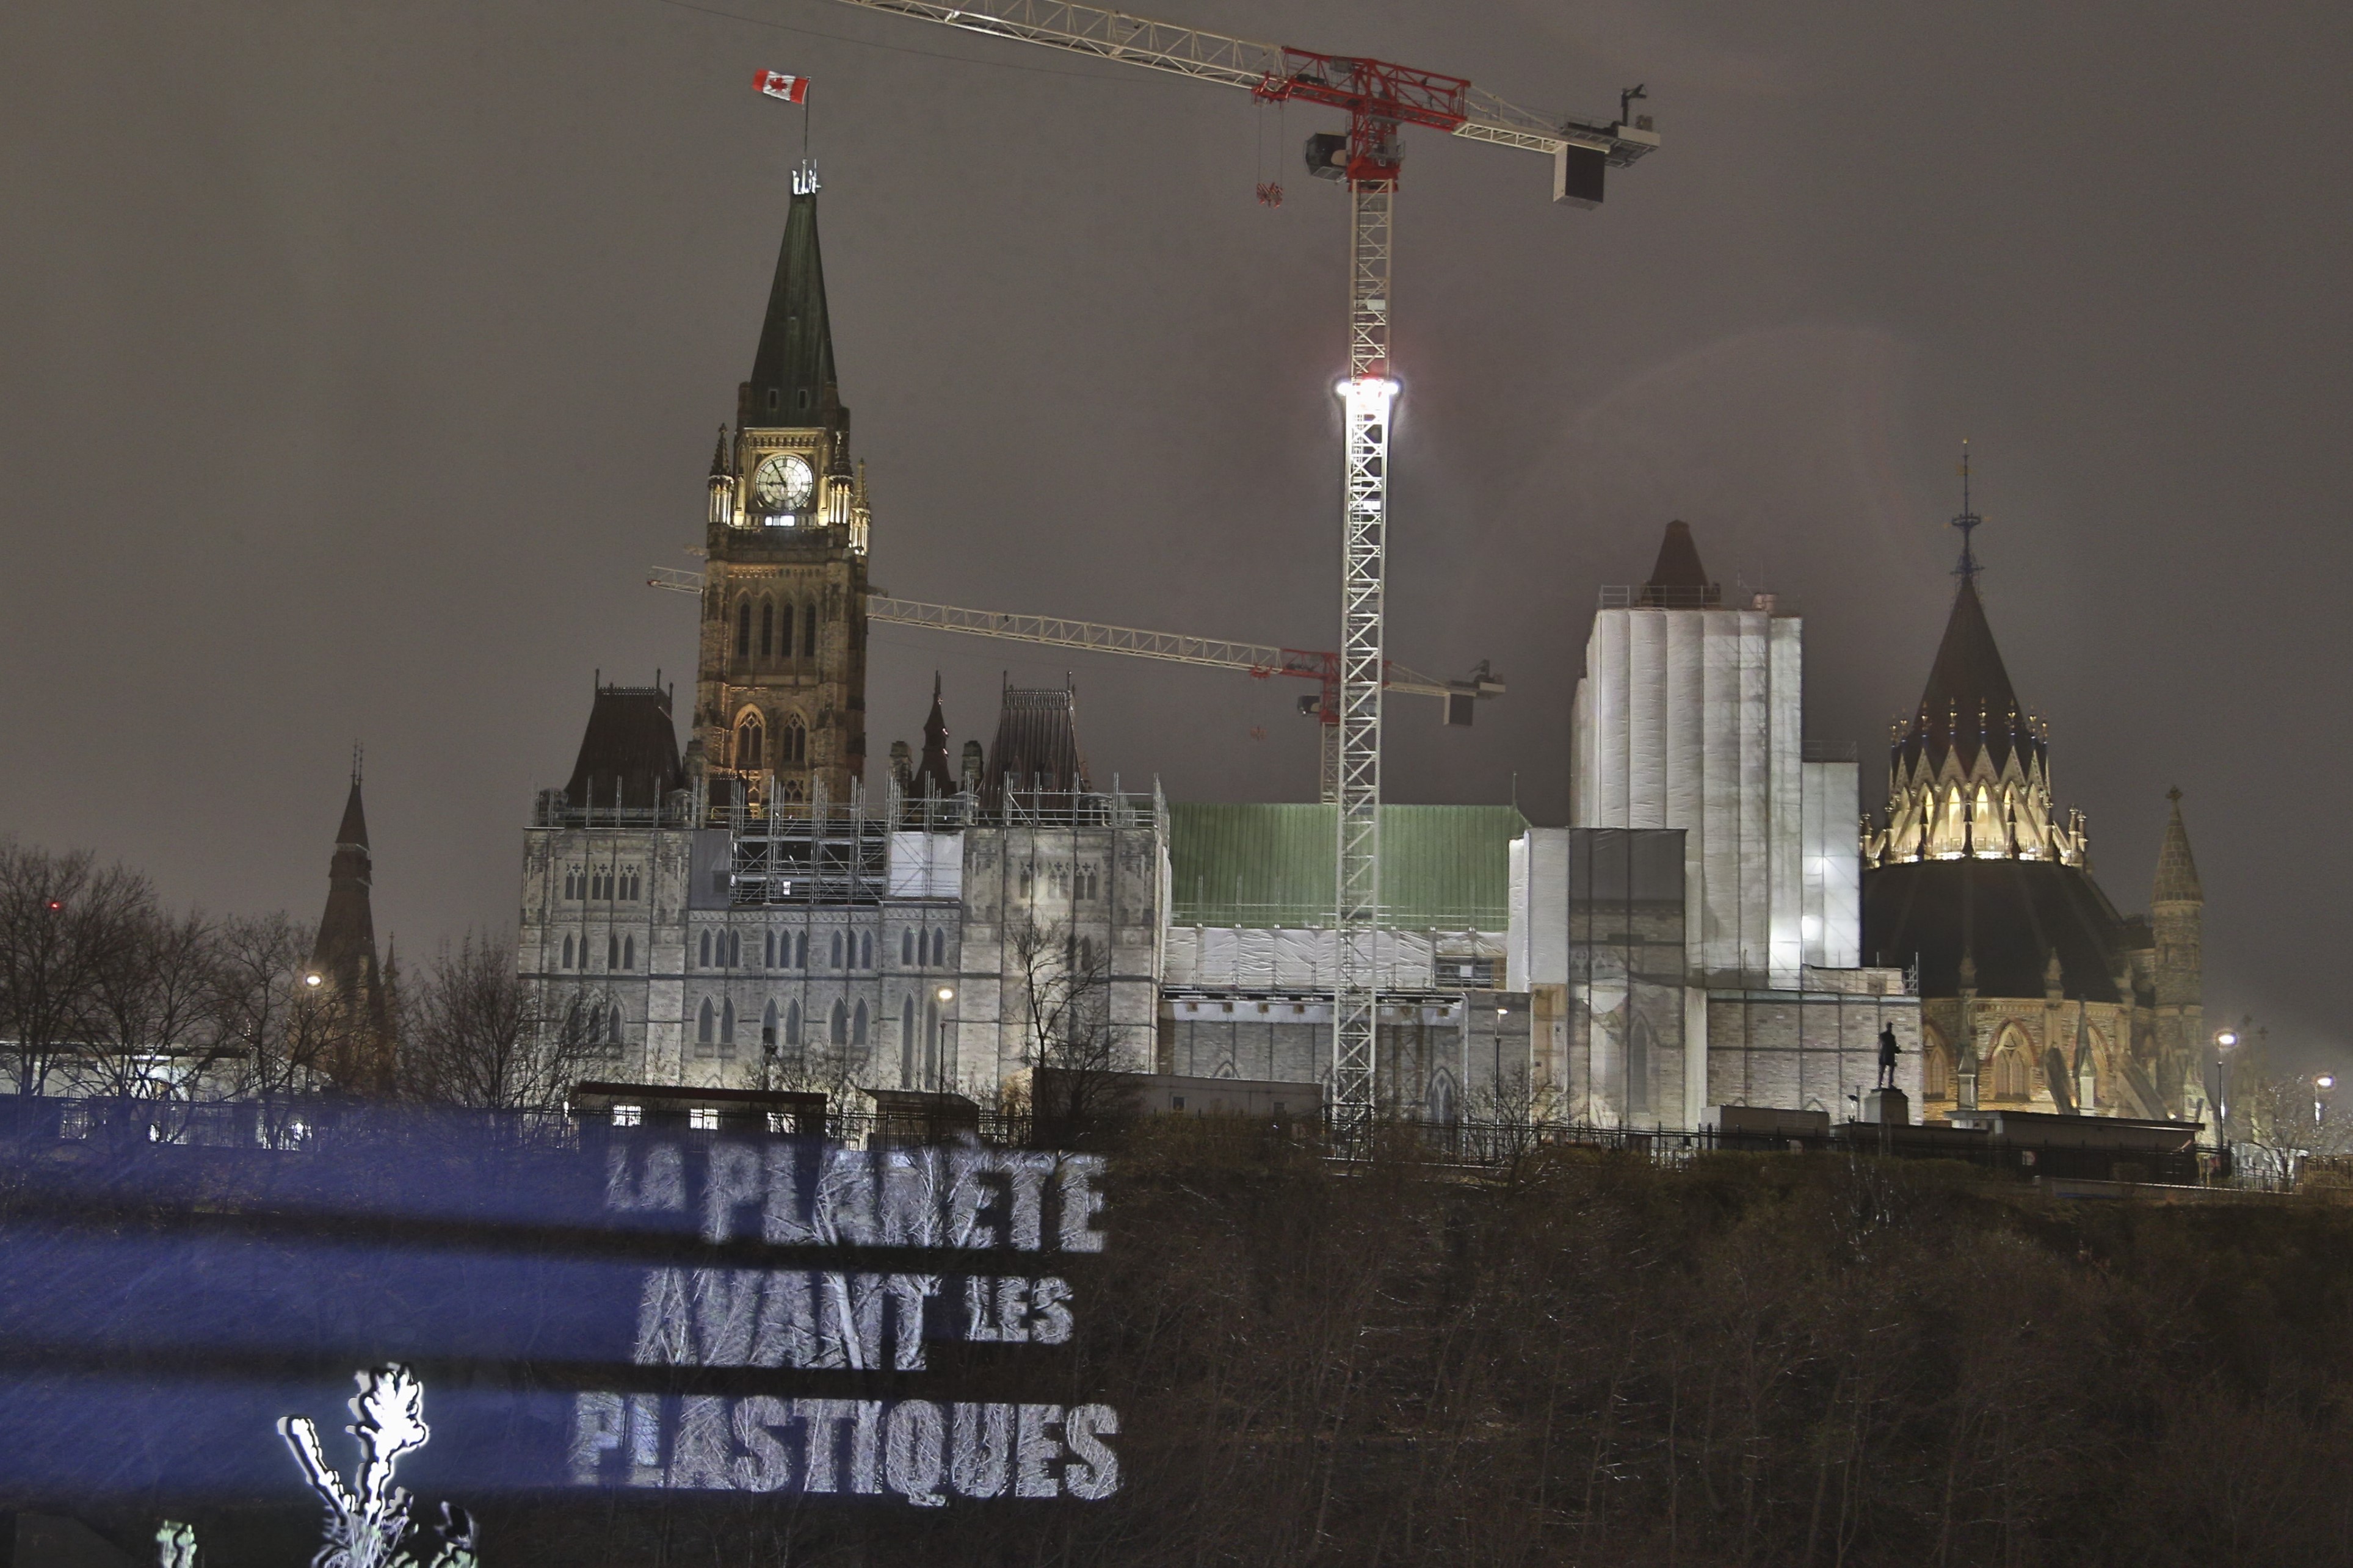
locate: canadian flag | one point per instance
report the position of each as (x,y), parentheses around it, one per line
(777,84)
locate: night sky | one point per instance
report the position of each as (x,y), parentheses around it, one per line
(358,361)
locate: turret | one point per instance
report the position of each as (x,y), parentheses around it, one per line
(723,483)
(1968,771)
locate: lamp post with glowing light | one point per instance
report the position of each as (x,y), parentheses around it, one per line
(2322,1085)
(2226,1045)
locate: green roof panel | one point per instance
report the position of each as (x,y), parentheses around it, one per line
(1443,867)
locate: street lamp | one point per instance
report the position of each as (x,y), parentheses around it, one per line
(2322,1085)
(2226,1041)
(946,1033)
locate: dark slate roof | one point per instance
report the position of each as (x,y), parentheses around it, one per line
(1968,675)
(1036,743)
(354,824)
(794,359)
(932,776)
(2009,915)
(1678,564)
(629,738)
(1677,580)
(2177,873)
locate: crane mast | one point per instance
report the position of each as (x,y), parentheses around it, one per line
(1380,99)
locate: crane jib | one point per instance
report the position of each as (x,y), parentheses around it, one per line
(1376,88)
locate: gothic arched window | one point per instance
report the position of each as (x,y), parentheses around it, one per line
(567,953)
(768,1028)
(768,952)
(744,629)
(907,946)
(866,950)
(1936,1066)
(767,627)
(1442,1099)
(837,950)
(809,631)
(793,746)
(793,1023)
(2013,1078)
(613,1027)
(705,1022)
(939,946)
(705,951)
(784,626)
(841,1024)
(727,1023)
(1637,1065)
(800,951)
(629,952)
(907,1042)
(857,1028)
(735,949)
(749,732)
(612,953)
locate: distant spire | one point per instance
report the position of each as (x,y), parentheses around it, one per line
(2176,872)
(346,947)
(1967,523)
(934,775)
(719,456)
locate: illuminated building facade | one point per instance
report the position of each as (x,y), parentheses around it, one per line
(2036,993)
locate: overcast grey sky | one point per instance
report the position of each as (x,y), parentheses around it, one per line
(359,359)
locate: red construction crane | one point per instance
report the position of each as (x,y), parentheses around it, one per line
(1380,100)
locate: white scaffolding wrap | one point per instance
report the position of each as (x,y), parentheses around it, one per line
(1691,719)
(926,864)
(1227,959)
(1833,870)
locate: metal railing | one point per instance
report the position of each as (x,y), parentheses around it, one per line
(325,1125)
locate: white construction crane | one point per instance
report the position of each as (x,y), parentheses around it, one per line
(1380,99)
(1257,660)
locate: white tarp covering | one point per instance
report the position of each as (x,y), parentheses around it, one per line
(1290,959)
(1691,719)
(926,864)
(1537,947)
(1833,869)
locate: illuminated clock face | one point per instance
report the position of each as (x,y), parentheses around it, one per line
(784,482)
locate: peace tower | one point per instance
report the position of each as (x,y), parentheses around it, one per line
(780,683)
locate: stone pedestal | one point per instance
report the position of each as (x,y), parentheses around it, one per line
(1887,1108)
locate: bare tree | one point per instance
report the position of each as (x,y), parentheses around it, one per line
(1079,1073)
(276,1030)
(62,917)
(816,1064)
(154,1030)
(479,1035)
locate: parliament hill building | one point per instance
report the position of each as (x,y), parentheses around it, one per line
(747,913)
(1706,932)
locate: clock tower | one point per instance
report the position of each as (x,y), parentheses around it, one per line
(780,687)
